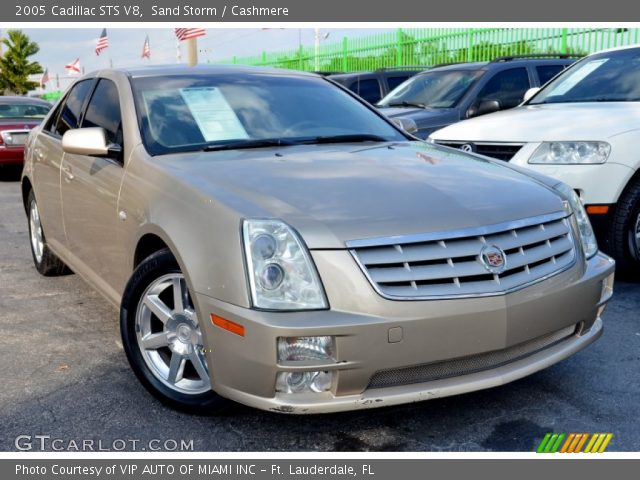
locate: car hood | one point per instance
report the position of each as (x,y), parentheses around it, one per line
(335,193)
(551,122)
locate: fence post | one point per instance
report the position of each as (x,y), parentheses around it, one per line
(399,48)
(564,40)
(264,58)
(235,60)
(345,53)
(300,54)
(470,46)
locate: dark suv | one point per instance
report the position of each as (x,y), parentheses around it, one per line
(373,86)
(447,94)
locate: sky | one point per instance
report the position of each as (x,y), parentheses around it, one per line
(61,46)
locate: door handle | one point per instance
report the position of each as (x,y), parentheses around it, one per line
(67,173)
(38,153)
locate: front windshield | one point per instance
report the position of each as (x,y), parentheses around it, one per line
(23,110)
(199,112)
(607,77)
(441,89)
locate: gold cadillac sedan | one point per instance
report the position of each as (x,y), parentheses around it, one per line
(270,238)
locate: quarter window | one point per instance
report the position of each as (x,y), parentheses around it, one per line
(72,108)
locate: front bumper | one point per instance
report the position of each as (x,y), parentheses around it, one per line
(244,369)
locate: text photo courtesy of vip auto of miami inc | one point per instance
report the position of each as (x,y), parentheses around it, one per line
(331,239)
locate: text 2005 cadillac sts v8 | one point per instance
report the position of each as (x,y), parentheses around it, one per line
(271,239)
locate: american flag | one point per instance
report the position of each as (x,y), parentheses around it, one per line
(45,78)
(73,67)
(189,33)
(103,42)
(146,49)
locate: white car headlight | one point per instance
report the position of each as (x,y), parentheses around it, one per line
(571,153)
(281,273)
(587,237)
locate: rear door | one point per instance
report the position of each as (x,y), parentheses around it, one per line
(47,155)
(90,188)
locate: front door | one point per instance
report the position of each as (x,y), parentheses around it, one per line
(90,187)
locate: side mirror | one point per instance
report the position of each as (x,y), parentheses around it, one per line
(530,93)
(485,106)
(406,124)
(91,141)
(488,106)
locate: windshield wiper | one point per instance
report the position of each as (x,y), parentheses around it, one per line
(407,104)
(351,138)
(239,144)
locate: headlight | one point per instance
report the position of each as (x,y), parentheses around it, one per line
(281,273)
(571,152)
(588,238)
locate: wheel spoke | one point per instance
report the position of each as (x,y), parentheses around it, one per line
(158,307)
(176,368)
(198,362)
(154,341)
(179,295)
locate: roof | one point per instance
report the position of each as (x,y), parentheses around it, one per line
(208,69)
(615,49)
(16,99)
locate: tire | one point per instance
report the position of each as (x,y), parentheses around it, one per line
(162,337)
(624,232)
(45,261)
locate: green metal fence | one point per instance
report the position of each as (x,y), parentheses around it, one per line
(432,46)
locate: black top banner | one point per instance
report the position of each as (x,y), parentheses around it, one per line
(318,11)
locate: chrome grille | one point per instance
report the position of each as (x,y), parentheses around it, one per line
(500,151)
(467,365)
(449,264)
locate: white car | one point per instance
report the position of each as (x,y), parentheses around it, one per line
(583,127)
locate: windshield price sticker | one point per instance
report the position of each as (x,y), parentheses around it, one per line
(213,114)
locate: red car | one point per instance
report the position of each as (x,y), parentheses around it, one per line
(18,115)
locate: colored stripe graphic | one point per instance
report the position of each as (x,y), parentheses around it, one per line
(574,442)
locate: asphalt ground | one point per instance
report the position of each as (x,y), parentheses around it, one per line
(64,375)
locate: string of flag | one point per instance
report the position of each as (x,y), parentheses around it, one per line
(102,43)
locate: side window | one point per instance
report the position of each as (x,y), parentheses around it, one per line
(50,126)
(104,111)
(369,89)
(393,82)
(72,108)
(507,86)
(547,72)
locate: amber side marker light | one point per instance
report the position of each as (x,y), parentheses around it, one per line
(228,325)
(598,209)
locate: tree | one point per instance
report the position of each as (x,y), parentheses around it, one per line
(15,66)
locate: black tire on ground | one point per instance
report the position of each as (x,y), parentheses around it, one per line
(49,264)
(622,245)
(152,268)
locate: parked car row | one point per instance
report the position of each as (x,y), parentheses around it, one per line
(18,115)
(271,238)
(583,129)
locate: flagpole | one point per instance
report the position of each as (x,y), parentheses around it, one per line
(192,51)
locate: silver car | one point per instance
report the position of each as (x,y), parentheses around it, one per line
(271,239)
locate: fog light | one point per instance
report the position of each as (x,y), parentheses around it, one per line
(303,382)
(301,349)
(606,293)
